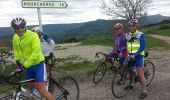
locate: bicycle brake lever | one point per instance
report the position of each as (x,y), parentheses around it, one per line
(18,70)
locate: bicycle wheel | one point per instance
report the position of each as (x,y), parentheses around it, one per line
(99,73)
(149,72)
(10,97)
(65,88)
(118,89)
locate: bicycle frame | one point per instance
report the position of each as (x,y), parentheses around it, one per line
(20,90)
(64,91)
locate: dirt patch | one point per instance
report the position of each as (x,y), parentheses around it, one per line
(159,89)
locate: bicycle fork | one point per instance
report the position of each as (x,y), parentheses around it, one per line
(63,95)
(17,93)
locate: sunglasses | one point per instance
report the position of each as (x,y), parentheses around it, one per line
(19,27)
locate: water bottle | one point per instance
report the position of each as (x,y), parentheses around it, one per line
(35,93)
(33,90)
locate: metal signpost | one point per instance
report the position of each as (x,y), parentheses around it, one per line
(43,4)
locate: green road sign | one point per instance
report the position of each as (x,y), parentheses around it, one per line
(43,4)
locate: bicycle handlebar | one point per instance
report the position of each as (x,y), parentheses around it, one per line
(13,75)
(97,56)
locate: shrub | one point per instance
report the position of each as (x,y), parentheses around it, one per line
(163,27)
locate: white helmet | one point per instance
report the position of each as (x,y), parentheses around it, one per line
(36,29)
(133,22)
(18,22)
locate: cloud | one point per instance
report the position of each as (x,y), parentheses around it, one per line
(77,11)
(160,7)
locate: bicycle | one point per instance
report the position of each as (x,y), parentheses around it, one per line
(120,90)
(6,66)
(64,85)
(102,67)
(61,88)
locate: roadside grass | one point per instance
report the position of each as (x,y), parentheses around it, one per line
(107,40)
(72,57)
(156,29)
(73,66)
(104,40)
(152,42)
(4,48)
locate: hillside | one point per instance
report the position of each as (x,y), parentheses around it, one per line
(63,32)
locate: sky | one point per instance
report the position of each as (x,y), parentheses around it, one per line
(77,11)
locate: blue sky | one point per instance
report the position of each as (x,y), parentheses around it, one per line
(77,11)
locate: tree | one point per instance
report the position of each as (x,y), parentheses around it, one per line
(127,9)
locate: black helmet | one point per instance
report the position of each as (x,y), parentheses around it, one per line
(18,22)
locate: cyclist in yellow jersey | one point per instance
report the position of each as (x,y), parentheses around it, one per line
(136,45)
(27,50)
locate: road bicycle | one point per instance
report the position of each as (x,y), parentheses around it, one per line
(120,89)
(63,88)
(102,67)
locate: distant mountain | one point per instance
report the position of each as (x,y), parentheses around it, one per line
(5,31)
(50,28)
(152,19)
(62,32)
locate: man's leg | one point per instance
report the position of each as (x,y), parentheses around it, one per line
(140,73)
(41,79)
(41,87)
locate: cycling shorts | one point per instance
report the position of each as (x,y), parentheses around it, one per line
(37,72)
(139,61)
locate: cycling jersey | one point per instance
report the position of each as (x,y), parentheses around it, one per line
(27,49)
(47,44)
(120,46)
(137,44)
(120,43)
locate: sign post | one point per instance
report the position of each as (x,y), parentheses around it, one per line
(42,4)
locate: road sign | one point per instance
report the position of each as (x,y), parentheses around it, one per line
(43,4)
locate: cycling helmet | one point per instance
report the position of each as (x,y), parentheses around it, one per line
(118,26)
(18,22)
(133,22)
(36,29)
